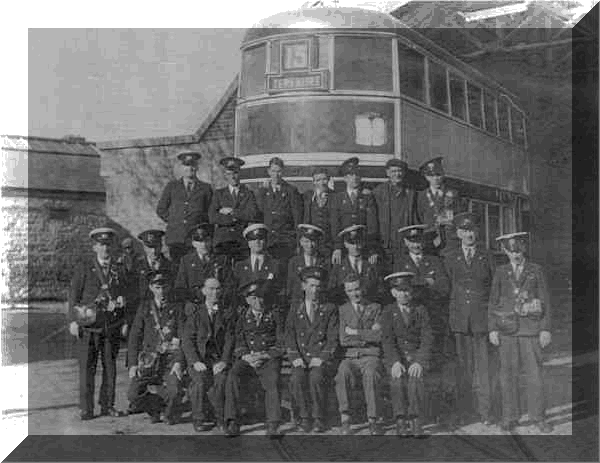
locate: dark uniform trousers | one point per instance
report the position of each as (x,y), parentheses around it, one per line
(369,368)
(309,388)
(408,395)
(206,385)
(168,387)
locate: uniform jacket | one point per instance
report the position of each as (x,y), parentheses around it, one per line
(281,211)
(362,212)
(200,334)
(429,206)
(144,336)
(318,213)
(264,336)
(317,339)
(229,227)
(430,267)
(192,273)
(182,213)
(370,278)
(294,283)
(406,342)
(271,270)
(367,341)
(470,289)
(506,289)
(396,208)
(86,285)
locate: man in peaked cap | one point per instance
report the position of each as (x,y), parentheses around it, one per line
(353,206)
(183,205)
(259,346)
(519,315)
(396,207)
(311,342)
(355,262)
(281,207)
(309,256)
(202,263)
(97,313)
(407,345)
(232,209)
(470,268)
(316,208)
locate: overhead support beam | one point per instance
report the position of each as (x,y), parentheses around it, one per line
(527,46)
(494,12)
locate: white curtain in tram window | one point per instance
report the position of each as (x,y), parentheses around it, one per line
(370,130)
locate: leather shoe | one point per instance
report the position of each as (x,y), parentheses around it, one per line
(346,429)
(111,411)
(304,425)
(272,430)
(401,427)
(508,426)
(172,420)
(200,426)
(233,429)
(544,427)
(374,428)
(86,415)
(319,426)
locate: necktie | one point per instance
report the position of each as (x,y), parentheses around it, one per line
(405,313)
(189,188)
(417,259)
(234,193)
(309,312)
(353,196)
(517,272)
(469,256)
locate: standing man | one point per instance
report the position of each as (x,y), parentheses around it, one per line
(407,343)
(436,206)
(97,311)
(259,346)
(316,208)
(208,347)
(360,338)
(155,355)
(281,206)
(396,208)
(231,210)
(470,270)
(519,323)
(353,206)
(183,205)
(311,340)
(310,238)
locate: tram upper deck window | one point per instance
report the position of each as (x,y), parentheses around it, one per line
(504,118)
(363,63)
(518,127)
(489,104)
(474,96)
(438,87)
(253,71)
(412,72)
(457,97)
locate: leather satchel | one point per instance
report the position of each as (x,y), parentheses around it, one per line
(85,314)
(507,323)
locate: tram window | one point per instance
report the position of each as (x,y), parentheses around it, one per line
(275,57)
(253,71)
(370,130)
(412,72)
(438,86)
(363,63)
(489,103)
(518,127)
(494,230)
(474,95)
(503,118)
(457,97)
(295,56)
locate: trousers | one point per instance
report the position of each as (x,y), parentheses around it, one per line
(369,369)
(205,389)
(309,390)
(169,389)
(408,396)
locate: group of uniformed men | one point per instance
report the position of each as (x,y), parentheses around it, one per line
(350,285)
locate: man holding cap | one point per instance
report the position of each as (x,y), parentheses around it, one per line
(183,205)
(97,311)
(311,341)
(231,210)
(407,344)
(396,208)
(519,323)
(353,206)
(316,208)
(470,270)
(281,206)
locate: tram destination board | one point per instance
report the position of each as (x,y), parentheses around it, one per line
(299,81)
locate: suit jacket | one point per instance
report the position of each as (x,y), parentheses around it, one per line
(362,212)
(406,341)
(319,214)
(294,283)
(182,213)
(396,208)
(371,280)
(144,336)
(506,289)
(430,267)
(281,211)
(229,227)
(306,339)
(204,341)
(265,336)
(192,273)
(86,285)
(470,289)
(368,340)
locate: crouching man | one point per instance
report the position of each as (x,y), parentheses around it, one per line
(258,350)
(208,344)
(155,355)
(311,338)
(407,343)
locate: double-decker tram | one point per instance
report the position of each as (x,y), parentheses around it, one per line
(320,85)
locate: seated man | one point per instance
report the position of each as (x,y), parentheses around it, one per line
(208,345)
(360,336)
(155,356)
(407,343)
(311,340)
(258,351)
